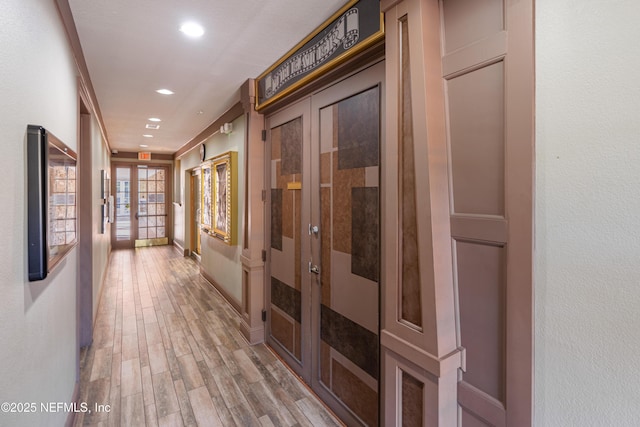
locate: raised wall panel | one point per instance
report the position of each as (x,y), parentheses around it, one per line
(470,420)
(419,328)
(481,296)
(357,395)
(460,85)
(251,325)
(488,72)
(411,310)
(282,329)
(476,128)
(412,401)
(466,21)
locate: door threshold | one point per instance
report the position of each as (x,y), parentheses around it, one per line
(152,242)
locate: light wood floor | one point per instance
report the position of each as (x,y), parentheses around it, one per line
(167,352)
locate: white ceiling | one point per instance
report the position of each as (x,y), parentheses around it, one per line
(133,47)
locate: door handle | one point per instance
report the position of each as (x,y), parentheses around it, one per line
(313,268)
(136,215)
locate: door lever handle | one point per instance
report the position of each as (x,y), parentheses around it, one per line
(313,268)
(136,215)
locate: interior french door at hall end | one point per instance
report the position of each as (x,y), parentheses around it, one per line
(324,234)
(141,205)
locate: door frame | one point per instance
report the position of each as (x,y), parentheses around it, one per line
(133,165)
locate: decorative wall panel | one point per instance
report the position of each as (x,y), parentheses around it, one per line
(365,237)
(359,397)
(412,401)
(466,21)
(481,296)
(488,72)
(411,302)
(418,335)
(476,116)
(276,218)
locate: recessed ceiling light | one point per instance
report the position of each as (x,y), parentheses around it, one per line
(152,126)
(191,29)
(154,119)
(148,136)
(165,91)
(143,145)
(200,112)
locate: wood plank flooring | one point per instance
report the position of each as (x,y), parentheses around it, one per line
(167,351)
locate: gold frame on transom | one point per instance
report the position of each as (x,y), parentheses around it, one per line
(323,69)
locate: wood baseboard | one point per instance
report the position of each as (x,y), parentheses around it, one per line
(235,304)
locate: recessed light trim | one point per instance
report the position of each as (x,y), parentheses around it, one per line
(154,119)
(147,136)
(192,29)
(152,126)
(165,91)
(143,145)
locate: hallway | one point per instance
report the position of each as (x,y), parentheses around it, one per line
(167,352)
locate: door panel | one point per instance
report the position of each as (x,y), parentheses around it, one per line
(141,198)
(288,326)
(349,251)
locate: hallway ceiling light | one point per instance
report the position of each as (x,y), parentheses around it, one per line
(148,136)
(154,119)
(152,126)
(165,91)
(143,145)
(192,29)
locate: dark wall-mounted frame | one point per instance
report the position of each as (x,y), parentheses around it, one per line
(51,198)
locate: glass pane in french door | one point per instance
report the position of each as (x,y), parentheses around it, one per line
(286,204)
(151,205)
(123,203)
(350,247)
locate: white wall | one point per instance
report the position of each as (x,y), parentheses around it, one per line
(221,262)
(587,213)
(38,342)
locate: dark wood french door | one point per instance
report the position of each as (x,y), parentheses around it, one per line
(324,234)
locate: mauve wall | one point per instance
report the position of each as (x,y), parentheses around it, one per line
(37,319)
(587,213)
(220,261)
